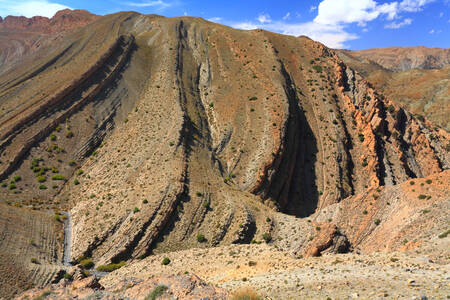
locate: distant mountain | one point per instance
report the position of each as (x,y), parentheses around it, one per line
(418,78)
(400,59)
(20,35)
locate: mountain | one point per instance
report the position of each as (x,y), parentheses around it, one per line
(20,35)
(415,77)
(161,137)
(399,59)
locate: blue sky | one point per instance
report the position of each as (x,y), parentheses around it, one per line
(350,24)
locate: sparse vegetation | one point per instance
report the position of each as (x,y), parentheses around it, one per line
(87,263)
(165,261)
(267,237)
(58,177)
(110,267)
(157,292)
(201,238)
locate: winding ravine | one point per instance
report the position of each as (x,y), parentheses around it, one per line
(67,239)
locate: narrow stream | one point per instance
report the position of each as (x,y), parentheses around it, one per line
(67,239)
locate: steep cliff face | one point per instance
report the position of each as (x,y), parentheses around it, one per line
(175,133)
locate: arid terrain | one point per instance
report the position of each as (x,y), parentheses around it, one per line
(195,160)
(415,77)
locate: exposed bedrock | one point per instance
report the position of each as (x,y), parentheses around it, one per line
(185,132)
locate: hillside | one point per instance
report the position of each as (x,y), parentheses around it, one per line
(417,78)
(160,135)
(400,59)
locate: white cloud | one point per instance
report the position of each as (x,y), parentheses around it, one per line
(312,8)
(158,4)
(331,25)
(441,15)
(30,8)
(395,25)
(287,16)
(413,5)
(431,31)
(264,18)
(215,19)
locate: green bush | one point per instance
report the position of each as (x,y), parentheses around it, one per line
(267,237)
(361,137)
(52,137)
(422,196)
(67,276)
(135,210)
(17,178)
(87,263)
(317,68)
(377,222)
(12,186)
(42,187)
(69,134)
(34,260)
(429,181)
(76,181)
(41,178)
(157,292)
(58,177)
(110,267)
(165,261)
(72,163)
(201,238)
(80,172)
(253,98)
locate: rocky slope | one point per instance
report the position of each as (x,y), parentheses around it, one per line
(169,134)
(420,88)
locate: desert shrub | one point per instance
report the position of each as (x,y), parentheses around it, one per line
(42,187)
(67,276)
(52,137)
(58,177)
(411,182)
(201,238)
(41,178)
(69,134)
(76,181)
(17,178)
(4,184)
(34,260)
(80,172)
(245,294)
(165,261)
(206,204)
(429,181)
(71,163)
(157,292)
(199,194)
(364,162)
(317,68)
(110,267)
(420,118)
(267,237)
(145,201)
(87,263)
(377,222)
(135,210)
(421,196)
(253,98)
(361,137)
(12,186)
(444,234)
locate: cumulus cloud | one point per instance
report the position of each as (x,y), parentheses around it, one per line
(334,17)
(395,25)
(30,8)
(287,16)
